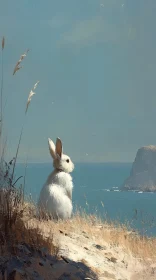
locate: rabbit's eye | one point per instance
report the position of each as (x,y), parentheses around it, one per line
(67,160)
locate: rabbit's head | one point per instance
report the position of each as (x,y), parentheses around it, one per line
(61,162)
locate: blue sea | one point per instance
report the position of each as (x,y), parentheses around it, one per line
(96,190)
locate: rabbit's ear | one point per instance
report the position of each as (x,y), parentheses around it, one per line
(52,148)
(59,147)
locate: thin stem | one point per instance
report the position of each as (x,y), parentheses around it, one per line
(1,106)
(26,164)
(2,89)
(17,153)
(17,181)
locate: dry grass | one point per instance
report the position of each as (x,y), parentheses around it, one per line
(104,232)
(13,211)
(117,235)
(14,229)
(18,64)
(31,95)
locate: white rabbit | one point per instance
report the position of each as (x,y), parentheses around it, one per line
(56,195)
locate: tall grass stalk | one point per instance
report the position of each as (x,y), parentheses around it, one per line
(20,137)
(1,106)
(11,197)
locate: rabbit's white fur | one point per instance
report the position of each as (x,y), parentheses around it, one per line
(56,194)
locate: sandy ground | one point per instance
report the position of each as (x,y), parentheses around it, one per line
(110,263)
(82,243)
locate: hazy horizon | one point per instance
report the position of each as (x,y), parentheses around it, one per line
(77,162)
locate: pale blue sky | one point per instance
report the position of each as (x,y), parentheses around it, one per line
(96,62)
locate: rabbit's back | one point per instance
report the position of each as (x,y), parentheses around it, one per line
(56,194)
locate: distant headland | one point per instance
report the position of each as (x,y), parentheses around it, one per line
(143,173)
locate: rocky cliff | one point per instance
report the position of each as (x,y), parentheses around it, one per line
(143,172)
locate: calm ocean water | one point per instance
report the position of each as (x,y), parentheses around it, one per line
(92,183)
